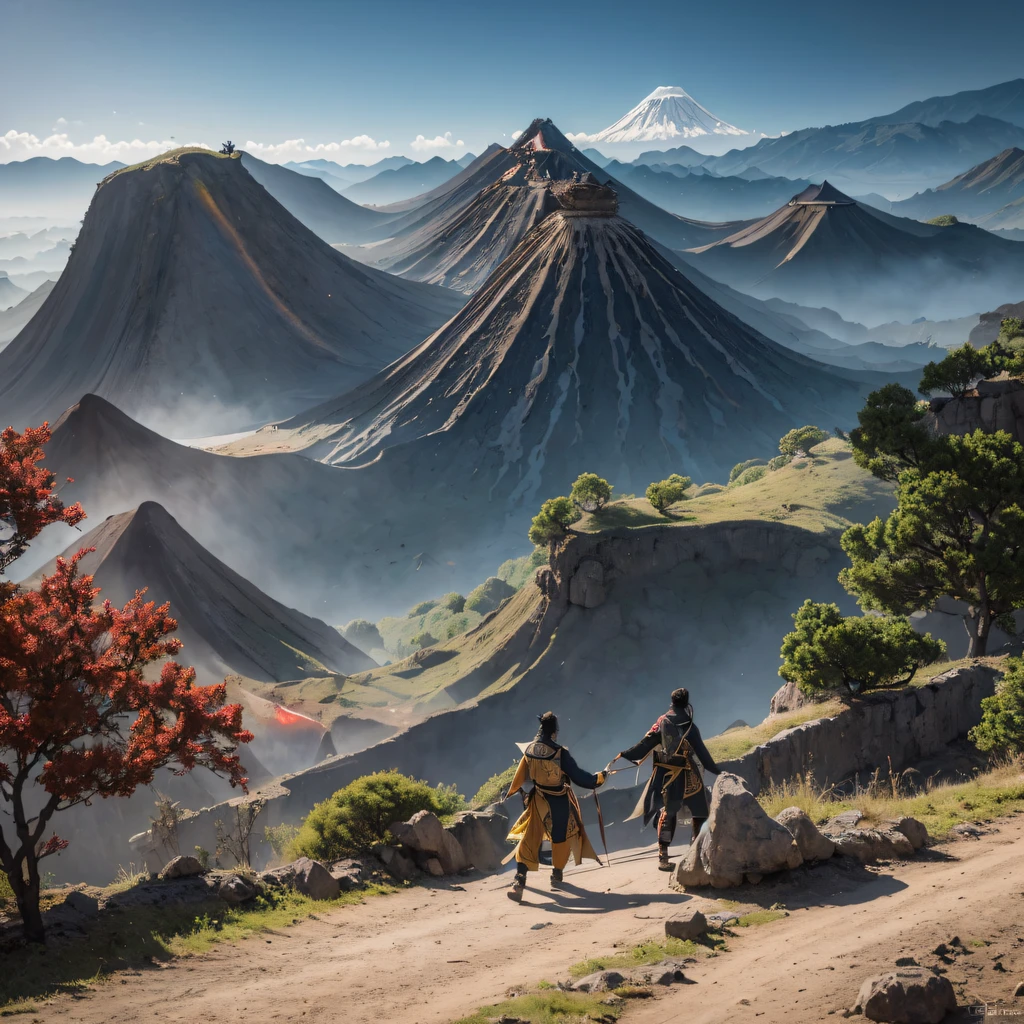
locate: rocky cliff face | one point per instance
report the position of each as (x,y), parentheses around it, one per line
(994,405)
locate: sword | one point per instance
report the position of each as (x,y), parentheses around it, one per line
(600,825)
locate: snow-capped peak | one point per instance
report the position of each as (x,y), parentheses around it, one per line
(667,113)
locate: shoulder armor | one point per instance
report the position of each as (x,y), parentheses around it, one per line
(542,751)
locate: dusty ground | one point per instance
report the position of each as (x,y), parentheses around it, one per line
(427,956)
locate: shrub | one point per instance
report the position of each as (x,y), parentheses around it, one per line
(778,462)
(516,572)
(1001,729)
(800,440)
(956,372)
(488,595)
(456,624)
(827,651)
(553,520)
(748,476)
(422,608)
(663,493)
(359,816)
(364,634)
(741,467)
(590,492)
(494,788)
(944,220)
(453,602)
(423,639)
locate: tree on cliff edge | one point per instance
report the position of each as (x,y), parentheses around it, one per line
(77,718)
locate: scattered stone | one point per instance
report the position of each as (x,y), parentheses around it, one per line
(913,829)
(314,880)
(907,961)
(813,845)
(907,996)
(184,866)
(423,833)
(722,919)
(740,839)
(686,926)
(481,836)
(236,889)
(968,830)
(848,819)
(870,844)
(667,972)
(82,903)
(348,874)
(600,981)
(398,863)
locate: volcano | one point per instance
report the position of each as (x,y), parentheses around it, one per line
(667,114)
(585,350)
(457,235)
(226,624)
(824,249)
(197,302)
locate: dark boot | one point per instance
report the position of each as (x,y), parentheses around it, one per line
(664,864)
(556,878)
(515,890)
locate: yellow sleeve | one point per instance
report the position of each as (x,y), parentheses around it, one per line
(520,777)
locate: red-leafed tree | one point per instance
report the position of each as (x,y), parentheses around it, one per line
(78,719)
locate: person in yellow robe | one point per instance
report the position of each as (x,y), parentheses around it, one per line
(552,810)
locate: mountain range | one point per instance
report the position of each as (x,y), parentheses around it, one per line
(392,185)
(196,301)
(59,190)
(990,194)
(823,248)
(1004,101)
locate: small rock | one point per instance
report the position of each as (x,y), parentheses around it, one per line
(1019,991)
(870,844)
(182,867)
(848,819)
(236,889)
(424,834)
(813,845)
(599,981)
(81,903)
(686,926)
(907,961)
(753,879)
(348,874)
(913,829)
(906,996)
(432,866)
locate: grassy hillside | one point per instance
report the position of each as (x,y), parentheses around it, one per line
(825,492)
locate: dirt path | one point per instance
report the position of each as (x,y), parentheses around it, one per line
(427,956)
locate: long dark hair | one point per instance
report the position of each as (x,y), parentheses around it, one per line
(681,702)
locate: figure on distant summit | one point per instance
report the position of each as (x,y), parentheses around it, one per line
(552,810)
(676,779)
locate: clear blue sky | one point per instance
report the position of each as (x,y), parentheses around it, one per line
(394,69)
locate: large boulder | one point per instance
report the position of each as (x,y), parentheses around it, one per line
(423,834)
(481,834)
(182,867)
(740,840)
(314,880)
(349,874)
(813,845)
(908,995)
(872,844)
(235,889)
(788,697)
(398,863)
(600,981)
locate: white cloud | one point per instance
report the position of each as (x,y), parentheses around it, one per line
(579,137)
(439,142)
(100,150)
(299,149)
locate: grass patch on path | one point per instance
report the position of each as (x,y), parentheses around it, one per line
(939,806)
(651,952)
(136,937)
(549,1007)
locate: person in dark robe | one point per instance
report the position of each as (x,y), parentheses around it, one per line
(552,810)
(676,780)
